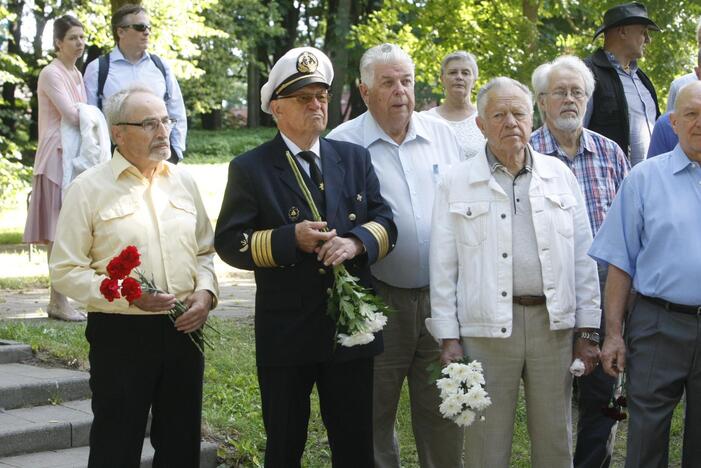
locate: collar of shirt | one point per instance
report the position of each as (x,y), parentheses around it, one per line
(373,132)
(117,55)
(120,164)
(679,161)
(495,165)
(552,147)
(294,149)
(632,67)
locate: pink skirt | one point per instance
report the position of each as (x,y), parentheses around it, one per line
(42,215)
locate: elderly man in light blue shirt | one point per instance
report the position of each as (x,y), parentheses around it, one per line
(409,153)
(129,63)
(650,239)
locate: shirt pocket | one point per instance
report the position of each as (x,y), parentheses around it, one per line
(561,208)
(182,222)
(115,227)
(470,221)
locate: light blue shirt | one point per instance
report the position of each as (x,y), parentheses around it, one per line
(122,73)
(408,173)
(652,231)
(663,137)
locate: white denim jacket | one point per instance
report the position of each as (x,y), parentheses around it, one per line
(472,279)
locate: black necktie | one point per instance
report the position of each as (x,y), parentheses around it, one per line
(314,171)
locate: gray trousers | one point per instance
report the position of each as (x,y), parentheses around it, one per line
(409,349)
(541,358)
(664,360)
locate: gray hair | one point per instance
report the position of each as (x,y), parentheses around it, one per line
(461,55)
(677,101)
(541,75)
(114,106)
(383,53)
(498,83)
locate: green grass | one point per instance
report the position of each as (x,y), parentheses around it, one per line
(10,236)
(25,282)
(221,146)
(231,402)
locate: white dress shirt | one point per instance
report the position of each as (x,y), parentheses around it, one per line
(408,173)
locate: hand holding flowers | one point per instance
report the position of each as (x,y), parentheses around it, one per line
(462,391)
(189,317)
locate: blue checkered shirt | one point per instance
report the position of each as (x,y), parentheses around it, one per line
(599,167)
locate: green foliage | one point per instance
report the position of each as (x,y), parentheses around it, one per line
(10,236)
(210,147)
(14,177)
(24,282)
(512,37)
(224,56)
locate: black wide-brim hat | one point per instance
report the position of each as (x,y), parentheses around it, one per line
(622,15)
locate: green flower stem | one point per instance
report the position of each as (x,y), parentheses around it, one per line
(149,286)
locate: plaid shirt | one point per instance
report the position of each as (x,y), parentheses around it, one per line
(599,167)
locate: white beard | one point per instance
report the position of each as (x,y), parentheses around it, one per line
(568,124)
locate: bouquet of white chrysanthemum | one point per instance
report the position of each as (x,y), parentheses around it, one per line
(358,313)
(462,392)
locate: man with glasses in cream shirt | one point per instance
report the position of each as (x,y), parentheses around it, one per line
(129,62)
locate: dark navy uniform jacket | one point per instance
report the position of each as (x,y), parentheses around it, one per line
(256,231)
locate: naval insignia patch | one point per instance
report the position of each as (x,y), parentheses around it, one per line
(293,213)
(244,243)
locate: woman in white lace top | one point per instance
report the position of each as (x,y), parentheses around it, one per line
(458,75)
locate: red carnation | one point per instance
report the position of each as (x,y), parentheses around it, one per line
(131,289)
(130,257)
(117,269)
(110,289)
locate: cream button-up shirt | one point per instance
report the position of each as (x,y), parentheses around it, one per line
(112,206)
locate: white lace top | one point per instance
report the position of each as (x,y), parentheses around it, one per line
(469,135)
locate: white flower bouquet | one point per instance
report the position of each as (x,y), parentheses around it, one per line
(462,392)
(358,313)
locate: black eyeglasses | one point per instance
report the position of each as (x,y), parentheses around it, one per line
(151,125)
(141,27)
(306,98)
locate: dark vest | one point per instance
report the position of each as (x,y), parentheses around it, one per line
(610,109)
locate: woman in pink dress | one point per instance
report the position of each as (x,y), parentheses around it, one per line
(60,89)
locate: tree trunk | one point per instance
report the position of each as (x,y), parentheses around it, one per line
(212,120)
(253,90)
(338,27)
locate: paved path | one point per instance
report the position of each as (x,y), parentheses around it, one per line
(236,297)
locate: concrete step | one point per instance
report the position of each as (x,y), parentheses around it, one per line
(12,351)
(41,428)
(78,458)
(24,385)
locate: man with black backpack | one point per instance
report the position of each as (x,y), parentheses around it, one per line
(128,63)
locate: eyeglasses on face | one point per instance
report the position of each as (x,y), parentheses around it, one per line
(141,27)
(151,125)
(576,93)
(306,98)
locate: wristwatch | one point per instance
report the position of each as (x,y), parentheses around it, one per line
(592,336)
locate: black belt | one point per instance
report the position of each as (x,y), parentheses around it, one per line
(529,300)
(681,308)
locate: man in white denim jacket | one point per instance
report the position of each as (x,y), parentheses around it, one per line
(511,278)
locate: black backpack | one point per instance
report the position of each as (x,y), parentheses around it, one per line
(104,68)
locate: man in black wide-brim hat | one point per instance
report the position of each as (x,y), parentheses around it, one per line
(624,106)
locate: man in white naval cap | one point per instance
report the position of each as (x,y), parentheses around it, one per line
(266,225)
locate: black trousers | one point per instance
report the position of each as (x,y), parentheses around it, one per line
(594,391)
(345,398)
(141,363)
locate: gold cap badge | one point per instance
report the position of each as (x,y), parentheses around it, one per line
(307,62)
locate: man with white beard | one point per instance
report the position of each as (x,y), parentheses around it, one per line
(563,88)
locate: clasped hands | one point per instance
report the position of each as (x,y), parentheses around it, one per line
(329,248)
(198,306)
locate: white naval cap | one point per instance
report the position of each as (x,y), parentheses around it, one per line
(299,67)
